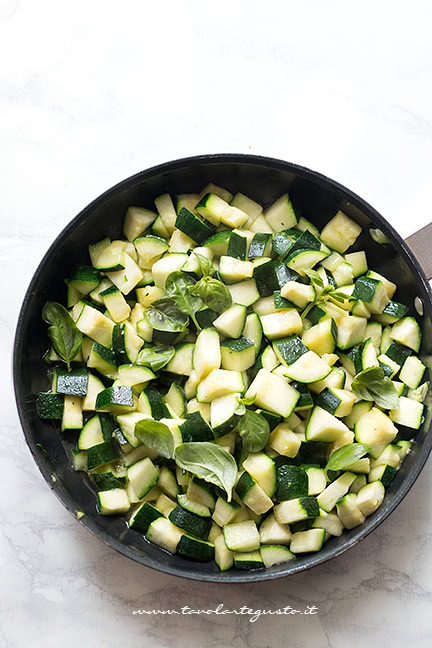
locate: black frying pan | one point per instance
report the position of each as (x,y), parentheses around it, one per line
(263,179)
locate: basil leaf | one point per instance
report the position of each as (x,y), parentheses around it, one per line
(177,288)
(314,277)
(213,293)
(372,385)
(209,462)
(346,455)
(65,336)
(206,266)
(254,430)
(165,316)
(157,436)
(155,357)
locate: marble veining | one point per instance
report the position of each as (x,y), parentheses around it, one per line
(93,92)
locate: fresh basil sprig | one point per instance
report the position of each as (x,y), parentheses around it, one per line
(346,455)
(254,431)
(165,316)
(213,293)
(155,357)
(209,462)
(177,288)
(65,336)
(323,293)
(205,265)
(372,385)
(157,436)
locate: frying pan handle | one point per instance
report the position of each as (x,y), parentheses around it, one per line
(421,244)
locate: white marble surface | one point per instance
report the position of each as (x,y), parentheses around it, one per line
(91,92)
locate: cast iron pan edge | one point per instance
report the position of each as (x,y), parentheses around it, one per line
(42,461)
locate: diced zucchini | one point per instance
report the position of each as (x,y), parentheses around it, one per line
(307,541)
(375,429)
(232,321)
(409,413)
(273,393)
(340,232)
(241,536)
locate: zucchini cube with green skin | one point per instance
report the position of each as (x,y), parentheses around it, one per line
(237,354)
(338,402)
(323,426)
(281,214)
(297,509)
(143,516)
(225,414)
(96,249)
(336,378)
(252,494)
(72,418)
(126,344)
(84,278)
(299,294)
(234,270)
(50,406)
(115,303)
(101,454)
(330,522)
(289,349)
(350,331)
(91,434)
(128,277)
(218,243)
(409,413)
(95,325)
(385,474)
(103,359)
(275,555)
(137,220)
(308,368)
(248,560)
(393,312)
(247,205)
(194,507)
(407,332)
(271,532)
(301,260)
(191,225)
(224,558)
(370,497)
(284,441)
(253,330)
(366,356)
(201,491)
(389,285)
(181,362)
(292,482)
(260,245)
(281,324)
(334,491)
(358,262)
(195,549)
(232,321)
(372,292)
(412,372)
(322,337)
(263,470)
(307,541)
(375,429)
(190,522)
(113,502)
(340,232)
(165,534)
(207,353)
(164,267)
(212,207)
(305,401)
(196,428)
(348,511)
(244,292)
(238,245)
(175,399)
(242,536)
(225,512)
(143,475)
(150,248)
(317,479)
(273,393)
(118,400)
(73,383)
(219,382)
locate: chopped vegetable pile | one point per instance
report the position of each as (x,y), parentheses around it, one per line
(238,383)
